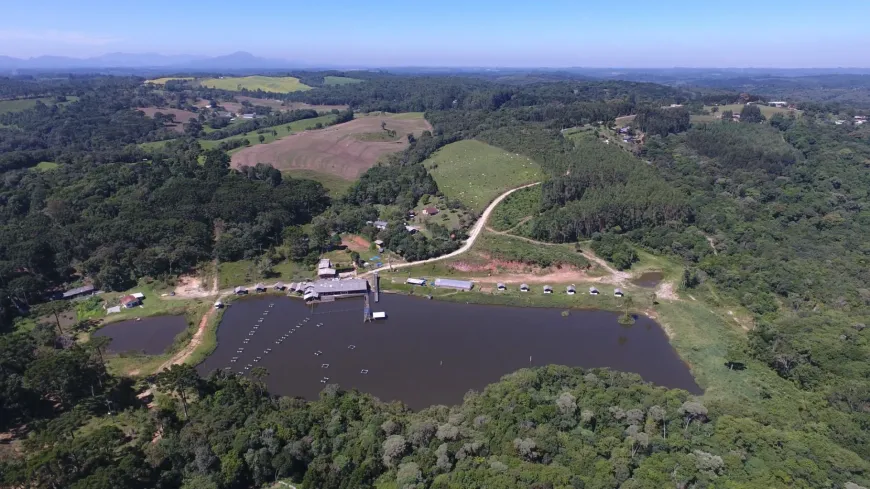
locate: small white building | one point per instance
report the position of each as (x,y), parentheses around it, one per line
(379,315)
(593,291)
(218,305)
(416,281)
(571,290)
(524,287)
(618,292)
(548,289)
(501,286)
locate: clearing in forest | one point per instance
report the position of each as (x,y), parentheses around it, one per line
(181,116)
(162,81)
(277,84)
(335,150)
(21,104)
(474,173)
(270,133)
(340,80)
(276,105)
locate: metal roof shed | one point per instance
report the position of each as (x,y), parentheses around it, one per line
(454,284)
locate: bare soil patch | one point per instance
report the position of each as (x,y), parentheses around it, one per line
(355,243)
(334,150)
(181,116)
(190,286)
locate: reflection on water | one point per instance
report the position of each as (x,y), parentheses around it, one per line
(429,352)
(152,335)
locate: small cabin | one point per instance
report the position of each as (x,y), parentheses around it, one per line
(618,293)
(593,291)
(260,287)
(280,286)
(571,290)
(416,281)
(239,290)
(326,273)
(218,305)
(524,288)
(129,301)
(548,289)
(501,286)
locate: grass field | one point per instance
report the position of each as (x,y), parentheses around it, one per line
(339,80)
(162,81)
(46,165)
(282,130)
(231,274)
(277,84)
(515,208)
(335,185)
(766,111)
(474,173)
(19,105)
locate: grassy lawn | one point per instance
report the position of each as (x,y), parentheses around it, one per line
(268,137)
(340,80)
(503,247)
(766,111)
(162,81)
(277,84)
(475,173)
(151,146)
(336,186)
(19,105)
(46,165)
(244,272)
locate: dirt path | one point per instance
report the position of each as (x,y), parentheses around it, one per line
(472,236)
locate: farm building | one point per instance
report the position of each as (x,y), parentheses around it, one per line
(431,211)
(524,288)
(380,225)
(416,281)
(326,272)
(593,291)
(778,103)
(618,292)
(324,263)
(379,242)
(248,116)
(450,283)
(279,286)
(138,295)
(79,291)
(548,289)
(240,290)
(326,288)
(501,286)
(411,229)
(129,301)
(260,287)
(572,290)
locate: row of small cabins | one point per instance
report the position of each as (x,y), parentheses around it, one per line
(468,285)
(316,290)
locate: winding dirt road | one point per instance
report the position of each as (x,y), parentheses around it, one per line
(472,236)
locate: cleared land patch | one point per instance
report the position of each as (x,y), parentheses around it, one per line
(277,84)
(334,150)
(276,105)
(181,116)
(22,104)
(340,80)
(271,133)
(474,173)
(46,165)
(162,81)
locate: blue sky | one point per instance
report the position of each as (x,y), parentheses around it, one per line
(554,33)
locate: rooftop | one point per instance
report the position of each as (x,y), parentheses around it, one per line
(456,284)
(347,285)
(79,290)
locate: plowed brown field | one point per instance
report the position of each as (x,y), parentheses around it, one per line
(334,150)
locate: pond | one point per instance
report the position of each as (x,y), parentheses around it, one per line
(429,352)
(150,335)
(648,279)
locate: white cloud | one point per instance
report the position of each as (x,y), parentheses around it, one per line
(56,36)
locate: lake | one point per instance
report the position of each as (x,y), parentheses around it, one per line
(426,351)
(151,335)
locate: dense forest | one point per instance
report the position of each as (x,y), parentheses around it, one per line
(770,214)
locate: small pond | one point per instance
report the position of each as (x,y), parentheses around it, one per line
(150,335)
(649,279)
(429,352)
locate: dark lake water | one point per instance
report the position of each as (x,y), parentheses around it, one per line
(648,279)
(430,352)
(152,335)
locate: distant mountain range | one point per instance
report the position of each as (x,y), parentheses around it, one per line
(182,62)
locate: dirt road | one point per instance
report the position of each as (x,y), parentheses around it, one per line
(472,236)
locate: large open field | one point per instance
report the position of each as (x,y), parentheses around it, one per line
(766,111)
(340,80)
(18,105)
(181,116)
(336,150)
(277,84)
(268,137)
(162,81)
(474,173)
